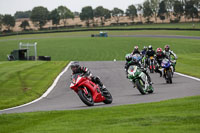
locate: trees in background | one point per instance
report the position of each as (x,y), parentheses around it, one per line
(154,4)
(24,24)
(21,14)
(8,21)
(162,11)
(131,12)
(170,9)
(1,23)
(87,14)
(117,13)
(64,14)
(102,13)
(147,11)
(178,9)
(190,9)
(140,10)
(39,16)
(54,16)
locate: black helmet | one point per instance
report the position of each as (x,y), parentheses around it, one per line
(150,47)
(145,48)
(128,57)
(74,66)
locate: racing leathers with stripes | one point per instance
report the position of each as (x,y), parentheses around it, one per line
(86,72)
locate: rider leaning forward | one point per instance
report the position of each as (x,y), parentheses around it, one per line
(130,61)
(76,68)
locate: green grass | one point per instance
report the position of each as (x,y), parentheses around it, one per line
(60,47)
(88,33)
(180,115)
(171,116)
(22,82)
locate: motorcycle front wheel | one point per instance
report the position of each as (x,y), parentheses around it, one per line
(169,77)
(86,98)
(140,86)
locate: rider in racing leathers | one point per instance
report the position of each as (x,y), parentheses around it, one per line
(159,57)
(136,50)
(144,51)
(150,52)
(76,68)
(130,61)
(168,53)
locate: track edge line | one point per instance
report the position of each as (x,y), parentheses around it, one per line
(187,76)
(45,94)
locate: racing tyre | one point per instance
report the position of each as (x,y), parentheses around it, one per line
(107,95)
(140,86)
(86,98)
(169,77)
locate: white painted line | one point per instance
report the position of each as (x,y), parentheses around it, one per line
(45,94)
(187,76)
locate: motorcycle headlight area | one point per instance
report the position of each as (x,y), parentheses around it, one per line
(132,69)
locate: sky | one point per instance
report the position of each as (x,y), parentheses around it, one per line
(11,6)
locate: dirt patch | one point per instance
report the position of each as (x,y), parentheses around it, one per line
(77,21)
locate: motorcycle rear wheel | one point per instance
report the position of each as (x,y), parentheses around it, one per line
(86,98)
(107,95)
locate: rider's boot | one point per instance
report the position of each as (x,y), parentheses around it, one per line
(160,73)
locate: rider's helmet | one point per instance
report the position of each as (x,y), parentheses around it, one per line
(75,66)
(159,51)
(136,48)
(167,48)
(150,47)
(145,48)
(128,57)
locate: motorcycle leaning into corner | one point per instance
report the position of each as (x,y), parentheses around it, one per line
(88,91)
(139,78)
(167,70)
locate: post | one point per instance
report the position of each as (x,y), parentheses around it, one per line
(35,50)
(20,45)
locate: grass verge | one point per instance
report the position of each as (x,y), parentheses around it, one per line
(88,33)
(22,82)
(63,48)
(177,116)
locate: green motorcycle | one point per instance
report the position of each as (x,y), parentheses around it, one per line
(139,79)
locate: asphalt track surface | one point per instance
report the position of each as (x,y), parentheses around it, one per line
(151,36)
(113,76)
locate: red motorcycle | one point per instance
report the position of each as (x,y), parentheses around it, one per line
(88,91)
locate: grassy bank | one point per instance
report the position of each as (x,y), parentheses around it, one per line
(22,82)
(60,47)
(177,116)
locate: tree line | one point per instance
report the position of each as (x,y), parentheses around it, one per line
(163,9)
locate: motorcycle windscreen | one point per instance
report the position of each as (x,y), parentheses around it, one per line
(75,77)
(132,69)
(165,62)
